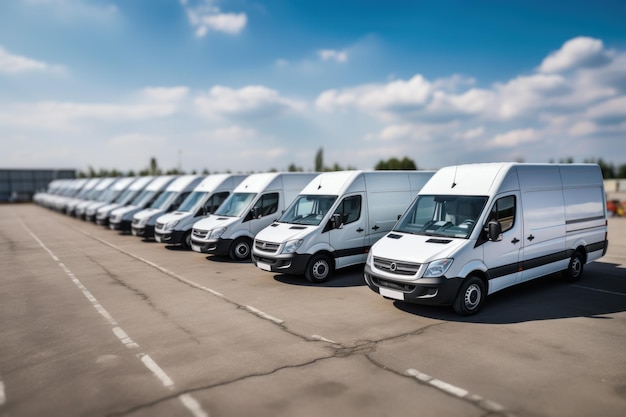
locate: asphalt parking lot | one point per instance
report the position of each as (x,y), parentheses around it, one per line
(97,323)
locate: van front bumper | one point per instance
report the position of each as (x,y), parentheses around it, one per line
(173,237)
(430,291)
(145,232)
(219,247)
(123,226)
(294,264)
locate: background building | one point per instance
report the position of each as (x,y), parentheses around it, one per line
(18,185)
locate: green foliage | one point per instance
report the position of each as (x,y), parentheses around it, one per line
(396,164)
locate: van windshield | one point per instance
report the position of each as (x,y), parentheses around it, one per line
(308,209)
(142,199)
(235,204)
(191,201)
(164,200)
(445,216)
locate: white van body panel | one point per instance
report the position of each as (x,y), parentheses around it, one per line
(100,188)
(287,185)
(138,184)
(384,195)
(112,193)
(211,188)
(557,211)
(144,221)
(85,194)
(121,218)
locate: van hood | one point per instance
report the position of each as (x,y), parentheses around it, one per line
(108,208)
(213,222)
(415,248)
(170,217)
(147,213)
(282,232)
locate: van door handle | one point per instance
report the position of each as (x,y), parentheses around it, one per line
(359,230)
(375,227)
(531,237)
(515,240)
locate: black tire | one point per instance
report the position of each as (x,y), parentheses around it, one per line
(240,249)
(471,296)
(185,241)
(575,268)
(319,269)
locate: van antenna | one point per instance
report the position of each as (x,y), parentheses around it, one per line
(320,184)
(454,179)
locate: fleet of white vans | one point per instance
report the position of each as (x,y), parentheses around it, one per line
(253,205)
(451,237)
(144,221)
(122,217)
(175,228)
(476,229)
(334,221)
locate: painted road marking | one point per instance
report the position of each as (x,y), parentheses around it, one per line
(194,284)
(3,397)
(186,399)
(455,391)
(599,290)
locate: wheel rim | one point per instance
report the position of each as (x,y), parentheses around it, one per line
(320,269)
(473,295)
(242,250)
(577,266)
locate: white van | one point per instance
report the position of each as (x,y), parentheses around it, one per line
(254,204)
(122,217)
(476,229)
(86,193)
(125,198)
(110,195)
(175,228)
(144,221)
(99,194)
(335,220)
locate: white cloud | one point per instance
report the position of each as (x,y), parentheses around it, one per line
(10,63)
(382,100)
(165,93)
(251,101)
(333,55)
(515,138)
(576,53)
(206,16)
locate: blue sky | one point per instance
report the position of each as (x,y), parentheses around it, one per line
(246,85)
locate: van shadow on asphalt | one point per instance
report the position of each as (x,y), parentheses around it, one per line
(600,292)
(345,277)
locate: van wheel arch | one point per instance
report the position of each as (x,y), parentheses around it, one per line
(471,295)
(319,268)
(576,265)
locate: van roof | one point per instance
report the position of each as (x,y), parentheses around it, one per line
(256,183)
(212,182)
(490,178)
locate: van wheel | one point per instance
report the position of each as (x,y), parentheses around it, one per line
(575,268)
(185,241)
(319,269)
(240,249)
(471,296)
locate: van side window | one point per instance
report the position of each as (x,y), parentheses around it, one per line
(267,204)
(504,211)
(215,201)
(349,209)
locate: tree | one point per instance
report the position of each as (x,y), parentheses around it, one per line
(396,164)
(319,160)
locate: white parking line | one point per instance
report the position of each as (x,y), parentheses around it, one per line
(599,290)
(3,397)
(455,391)
(186,399)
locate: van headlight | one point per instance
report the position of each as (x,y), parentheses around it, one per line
(217,233)
(171,225)
(370,257)
(438,268)
(292,245)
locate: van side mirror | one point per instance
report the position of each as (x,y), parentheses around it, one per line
(336,221)
(494,231)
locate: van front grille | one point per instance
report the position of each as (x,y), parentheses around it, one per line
(200,234)
(396,267)
(265,246)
